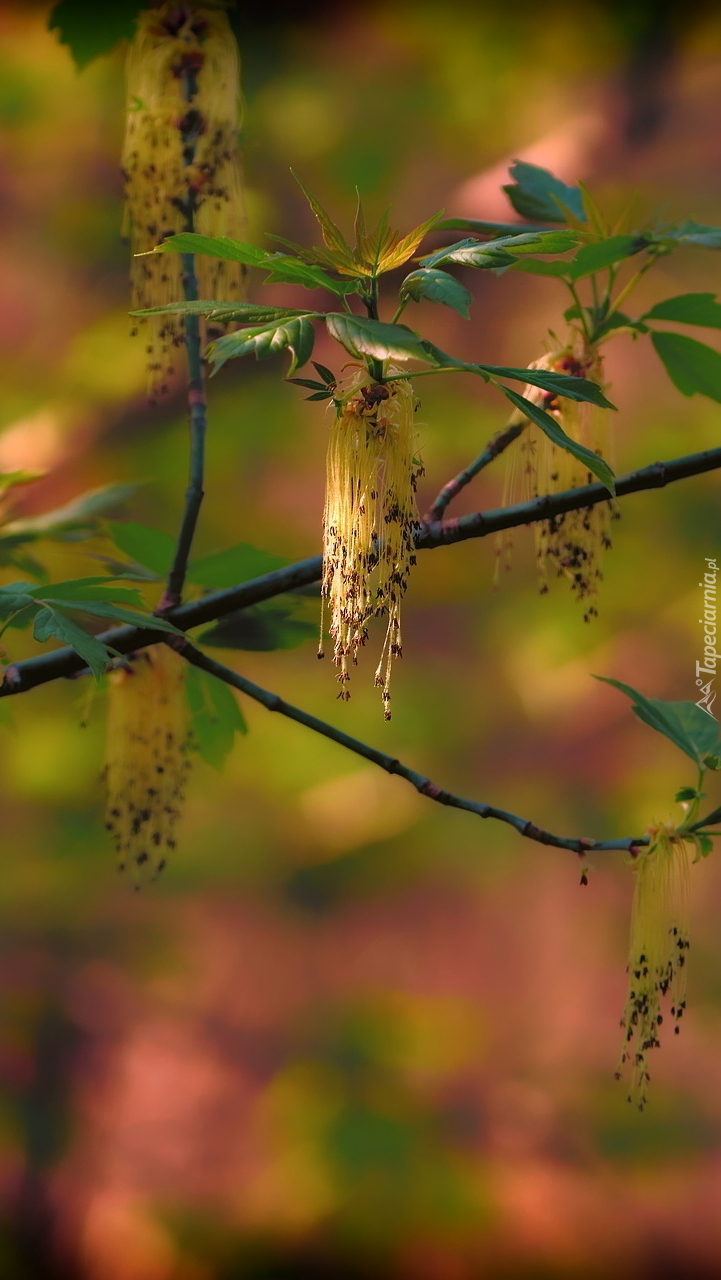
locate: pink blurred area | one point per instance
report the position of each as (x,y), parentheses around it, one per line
(350,1033)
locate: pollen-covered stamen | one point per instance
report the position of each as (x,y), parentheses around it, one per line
(146,758)
(658,946)
(370,519)
(571,544)
(180,155)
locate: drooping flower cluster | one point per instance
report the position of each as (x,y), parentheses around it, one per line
(146,757)
(180,161)
(571,544)
(370,519)
(658,947)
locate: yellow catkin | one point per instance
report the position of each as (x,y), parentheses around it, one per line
(183,109)
(146,758)
(658,947)
(370,519)
(569,545)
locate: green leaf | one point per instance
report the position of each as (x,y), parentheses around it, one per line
(686,794)
(688,308)
(78,516)
(54,624)
(437,286)
(596,257)
(693,233)
(482,228)
(296,335)
(214,247)
(102,609)
(362,337)
(539,267)
(561,384)
(536,193)
(555,432)
(92,30)
(287,270)
(332,235)
(502,252)
(260,629)
(225,312)
(683,723)
(233,565)
(216,716)
(712,762)
(149,547)
(705,844)
(692,366)
(11,479)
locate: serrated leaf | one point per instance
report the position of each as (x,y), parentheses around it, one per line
(692,366)
(539,267)
(115,613)
(260,629)
(584,390)
(286,270)
(53,623)
(232,565)
(225,312)
(555,432)
(691,233)
(77,516)
(596,257)
(503,251)
(149,547)
(688,308)
(296,336)
(537,193)
(437,286)
(362,337)
(483,228)
(683,723)
(214,247)
(333,237)
(92,30)
(406,246)
(216,716)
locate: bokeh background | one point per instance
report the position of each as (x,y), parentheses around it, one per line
(348,1032)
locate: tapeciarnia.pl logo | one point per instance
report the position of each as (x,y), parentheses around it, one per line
(708,622)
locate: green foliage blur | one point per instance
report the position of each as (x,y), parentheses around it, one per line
(349,1032)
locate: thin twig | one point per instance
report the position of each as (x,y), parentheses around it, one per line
(424,786)
(493,449)
(65,662)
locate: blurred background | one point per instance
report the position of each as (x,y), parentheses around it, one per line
(348,1032)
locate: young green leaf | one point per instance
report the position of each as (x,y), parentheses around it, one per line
(693,233)
(536,193)
(332,235)
(562,384)
(539,267)
(225,312)
(488,254)
(596,257)
(149,547)
(284,269)
(688,308)
(232,565)
(683,723)
(53,623)
(436,286)
(79,516)
(363,337)
(597,466)
(214,246)
(296,336)
(260,629)
(216,716)
(92,30)
(692,366)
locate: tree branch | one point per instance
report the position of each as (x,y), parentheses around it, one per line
(424,786)
(66,662)
(492,450)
